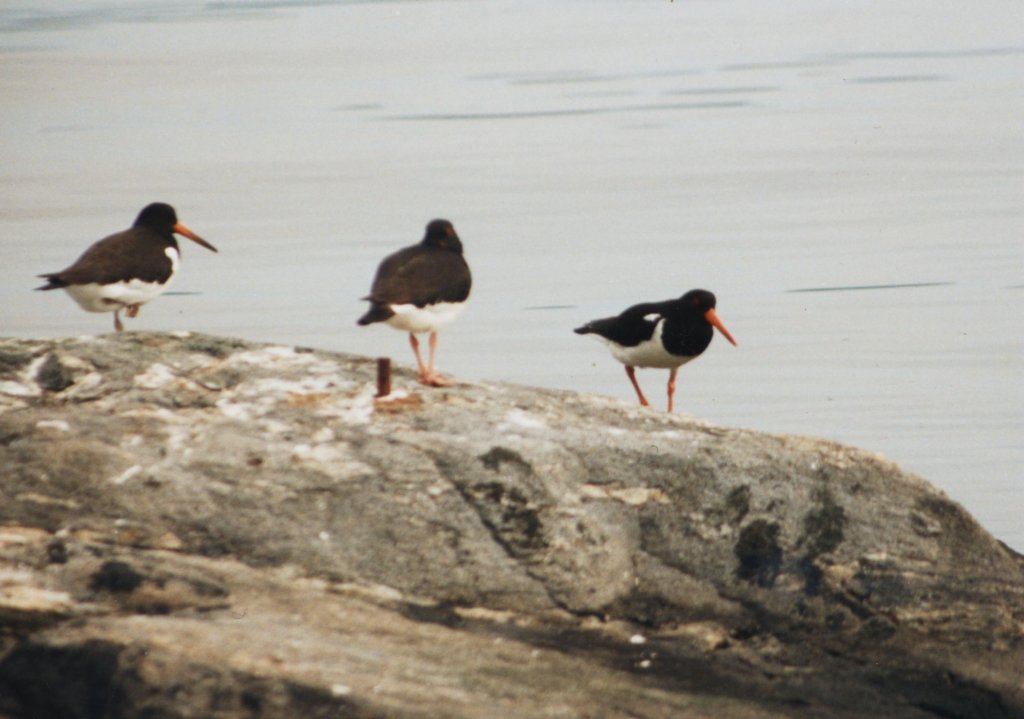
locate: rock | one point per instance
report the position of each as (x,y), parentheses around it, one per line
(193,526)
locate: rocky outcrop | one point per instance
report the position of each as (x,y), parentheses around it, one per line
(193,526)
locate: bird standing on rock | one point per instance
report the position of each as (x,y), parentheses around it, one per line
(127,269)
(422,288)
(660,334)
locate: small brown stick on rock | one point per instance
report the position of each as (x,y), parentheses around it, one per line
(383,376)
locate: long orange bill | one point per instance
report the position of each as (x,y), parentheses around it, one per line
(185,232)
(712,317)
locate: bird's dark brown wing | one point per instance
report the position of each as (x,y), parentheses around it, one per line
(135,253)
(421,276)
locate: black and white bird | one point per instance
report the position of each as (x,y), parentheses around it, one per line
(128,269)
(422,288)
(660,334)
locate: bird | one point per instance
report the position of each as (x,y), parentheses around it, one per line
(129,268)
(660,334)
(422,288)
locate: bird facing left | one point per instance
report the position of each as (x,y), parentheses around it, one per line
(127,269)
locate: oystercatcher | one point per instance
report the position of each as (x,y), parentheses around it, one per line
(660,334)
(127,269)
(422,288)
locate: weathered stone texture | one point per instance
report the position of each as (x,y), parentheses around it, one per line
(193,526)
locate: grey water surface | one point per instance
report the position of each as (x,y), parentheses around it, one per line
(847,177)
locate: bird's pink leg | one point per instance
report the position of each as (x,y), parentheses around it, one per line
(118,326)
(433,378)
(419,360)
(631,373)
(132,310)
(671,386)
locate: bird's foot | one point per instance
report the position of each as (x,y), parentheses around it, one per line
(432,379)
(118,325)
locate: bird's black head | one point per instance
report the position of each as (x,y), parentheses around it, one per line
(159,217)
(698,301)
(441,235)
(702,303)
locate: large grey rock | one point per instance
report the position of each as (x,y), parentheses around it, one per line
(193,526)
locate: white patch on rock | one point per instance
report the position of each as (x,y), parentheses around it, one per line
(21,601)
(520,418)
(83,384)
(321,453)
(324,434)
(275,426)
(9,403)
(161,413)
(318,392)
(633,496)
(271,355)
(45,500)
(18,389)
(20,536)
(57,424)
(373,592)
(234,410)
(396,394)
(157,375)
(132,471)
(669,434)
(359,409)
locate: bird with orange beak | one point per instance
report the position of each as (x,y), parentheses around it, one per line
(127,269)
(660,334)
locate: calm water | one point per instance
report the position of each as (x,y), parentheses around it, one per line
(592,155)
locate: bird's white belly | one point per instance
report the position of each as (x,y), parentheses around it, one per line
(431,318)
(95,297)
(651,353)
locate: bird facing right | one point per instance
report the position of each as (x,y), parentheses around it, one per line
(127,269)
(660,334)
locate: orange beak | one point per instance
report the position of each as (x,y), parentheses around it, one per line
(712,317)
(185,232)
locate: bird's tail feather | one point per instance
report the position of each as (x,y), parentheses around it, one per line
(53,282)
(376,313)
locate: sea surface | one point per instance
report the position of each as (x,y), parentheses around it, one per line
(847,177)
